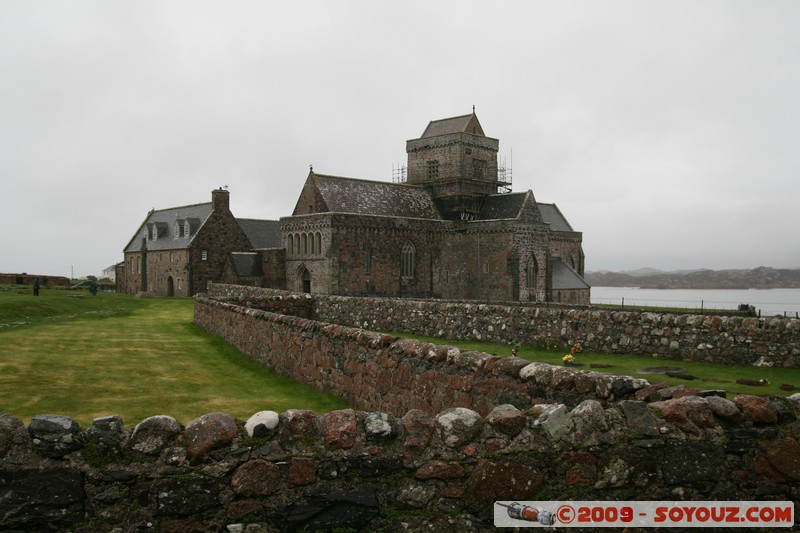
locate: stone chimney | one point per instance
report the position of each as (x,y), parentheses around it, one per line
(220,200)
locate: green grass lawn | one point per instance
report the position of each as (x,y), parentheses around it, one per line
(69,353)
(709,376)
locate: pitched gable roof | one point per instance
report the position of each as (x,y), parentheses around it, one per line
(553,216)
(261,233)
(463,124)
(364,197)
(502,206)
(195,214)
(565,277)
(519,206)
(246,264)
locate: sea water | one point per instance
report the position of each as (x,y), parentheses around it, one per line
(768,302)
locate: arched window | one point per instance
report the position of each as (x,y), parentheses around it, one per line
(408,260)
(305,279)
(311,242)
(304,248)
(530,273)
(290,245)
(318,238)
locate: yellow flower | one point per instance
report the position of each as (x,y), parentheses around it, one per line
(568,358)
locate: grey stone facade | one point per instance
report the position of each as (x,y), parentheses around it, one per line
(179,251)
(451,231)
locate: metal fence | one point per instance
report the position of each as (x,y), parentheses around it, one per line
(703,306)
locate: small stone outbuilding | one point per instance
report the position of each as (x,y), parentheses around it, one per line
(180,250)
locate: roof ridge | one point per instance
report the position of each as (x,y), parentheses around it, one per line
(503,194)
(179,207)
(451,125)
(367,180)
(451,118)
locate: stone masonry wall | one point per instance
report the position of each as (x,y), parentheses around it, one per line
(219,235)
(371,471)
(717,339)
(377,371)
(162,265)
(28,279)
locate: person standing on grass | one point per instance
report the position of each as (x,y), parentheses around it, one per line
(36,287)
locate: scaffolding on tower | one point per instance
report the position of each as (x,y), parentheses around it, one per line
(503,176)
(399,173)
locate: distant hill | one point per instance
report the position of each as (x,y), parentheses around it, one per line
(650,278)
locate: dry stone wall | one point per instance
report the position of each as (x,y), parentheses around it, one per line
(28,279)
(378,371)
(352,470)
(718,339)
(710,338)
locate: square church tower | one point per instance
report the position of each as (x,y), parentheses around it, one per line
(457,163)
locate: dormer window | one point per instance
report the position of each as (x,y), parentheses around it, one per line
(190,226)
(179,228)
(150,232)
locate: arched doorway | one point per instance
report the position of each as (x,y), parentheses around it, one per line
(170,286)
(305,280)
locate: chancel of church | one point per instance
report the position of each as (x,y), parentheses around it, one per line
(449,229)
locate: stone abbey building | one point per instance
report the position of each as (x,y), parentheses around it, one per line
(451,229)
(180,250)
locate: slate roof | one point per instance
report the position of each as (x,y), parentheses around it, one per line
(246,264)
(446,126)
(165,220)
(261,233)
(564,277)
(552,215)
(364,197)
(503,206)
(508,206)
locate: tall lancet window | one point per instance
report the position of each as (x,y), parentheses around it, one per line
(408,260)
(530,273)
(367,258)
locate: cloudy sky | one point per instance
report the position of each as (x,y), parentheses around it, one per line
(668,132)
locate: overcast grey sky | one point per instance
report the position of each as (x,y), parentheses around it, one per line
(668,132)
